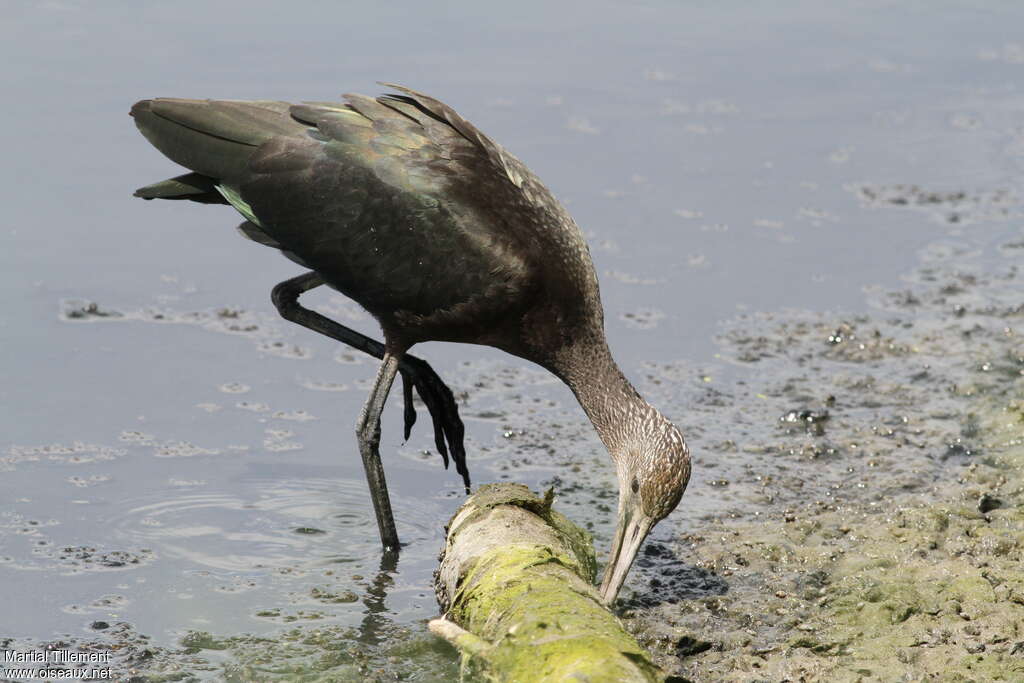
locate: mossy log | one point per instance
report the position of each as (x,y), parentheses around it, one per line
(516,587)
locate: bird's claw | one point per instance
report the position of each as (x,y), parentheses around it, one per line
(444,411)
(410,409)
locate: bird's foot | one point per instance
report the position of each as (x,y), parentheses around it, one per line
(444,411)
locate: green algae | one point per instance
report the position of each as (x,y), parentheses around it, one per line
(328,655)
(526,599)
(579,542)
(301,654)
(195,641)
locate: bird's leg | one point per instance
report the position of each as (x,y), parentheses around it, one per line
(286,298)
(416,372)
(368,433)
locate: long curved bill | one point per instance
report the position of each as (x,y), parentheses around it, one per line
(629,535)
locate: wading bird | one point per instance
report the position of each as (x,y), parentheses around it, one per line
(405,207)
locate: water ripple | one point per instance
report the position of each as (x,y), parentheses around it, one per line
(294,523)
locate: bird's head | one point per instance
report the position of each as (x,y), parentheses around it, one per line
(653,470)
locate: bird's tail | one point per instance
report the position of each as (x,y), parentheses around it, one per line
(193,186)
(214,138)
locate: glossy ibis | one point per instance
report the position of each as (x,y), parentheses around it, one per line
(407,208)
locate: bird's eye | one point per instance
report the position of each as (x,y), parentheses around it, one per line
(635,485)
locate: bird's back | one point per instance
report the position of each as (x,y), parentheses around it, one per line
(398,203)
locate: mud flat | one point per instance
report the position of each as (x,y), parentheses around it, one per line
(928,586)
(902,559)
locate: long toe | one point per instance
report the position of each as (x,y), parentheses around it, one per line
(449,431)
(409,413)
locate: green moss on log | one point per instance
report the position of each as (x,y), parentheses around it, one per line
(516,581)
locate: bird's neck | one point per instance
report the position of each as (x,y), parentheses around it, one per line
(606,396)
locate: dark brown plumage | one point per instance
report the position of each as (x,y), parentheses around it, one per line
(404,206)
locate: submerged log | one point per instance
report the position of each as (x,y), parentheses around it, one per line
(516,588)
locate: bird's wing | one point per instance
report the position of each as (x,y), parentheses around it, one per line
(509,165)
(397,201)
(394,206)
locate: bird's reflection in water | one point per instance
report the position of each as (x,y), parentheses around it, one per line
(376,625)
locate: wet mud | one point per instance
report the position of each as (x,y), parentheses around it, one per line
(876,533)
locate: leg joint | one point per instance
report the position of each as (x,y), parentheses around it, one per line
(365,427)
(285,295)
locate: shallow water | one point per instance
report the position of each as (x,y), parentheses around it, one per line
(176,458)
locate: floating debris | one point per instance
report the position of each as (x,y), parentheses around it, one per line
(85,310)
(643,319)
